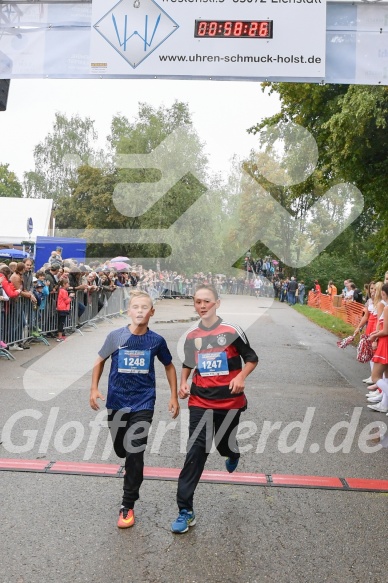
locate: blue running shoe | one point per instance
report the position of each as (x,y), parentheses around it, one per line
(184,520)
(231,464)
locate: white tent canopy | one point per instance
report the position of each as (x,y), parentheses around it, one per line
(14,214)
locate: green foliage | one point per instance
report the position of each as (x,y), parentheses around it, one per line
(9,184)
(58,157)
(331,323)
(349,124)
(334,267)
(187,212)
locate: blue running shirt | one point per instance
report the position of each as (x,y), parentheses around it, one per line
(133,388)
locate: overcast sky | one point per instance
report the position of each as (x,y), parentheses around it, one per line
(221,112)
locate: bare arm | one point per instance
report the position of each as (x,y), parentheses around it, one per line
(184,389)
(363,321)
(173,405)
(379,311)
(237,385)
(96,375)
(383,331)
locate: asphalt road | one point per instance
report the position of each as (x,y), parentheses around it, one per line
(62,528)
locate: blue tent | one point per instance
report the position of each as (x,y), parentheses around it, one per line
(13,254)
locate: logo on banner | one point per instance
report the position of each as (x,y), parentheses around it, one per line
(136,29)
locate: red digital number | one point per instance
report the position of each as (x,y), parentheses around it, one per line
(227,28)
(253,28)
(201,31)
(263,29)
(237,29)
(213,26)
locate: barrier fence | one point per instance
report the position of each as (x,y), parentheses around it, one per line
(22,321)
(348,311)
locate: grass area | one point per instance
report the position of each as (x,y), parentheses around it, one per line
(327,321)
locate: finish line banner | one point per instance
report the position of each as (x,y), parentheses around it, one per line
(278,40)
(229,39)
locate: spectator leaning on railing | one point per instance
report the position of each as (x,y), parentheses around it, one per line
(357,293)
(28,275)
(331,290)
(77,284)
(17,278)
(8,293)
(52,277)
(14,311)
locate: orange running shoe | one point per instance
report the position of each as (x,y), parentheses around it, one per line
(126,518)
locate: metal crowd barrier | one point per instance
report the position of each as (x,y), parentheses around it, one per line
(22,321)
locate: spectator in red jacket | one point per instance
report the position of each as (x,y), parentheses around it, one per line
(317,287)
(7,292)
(63,306)
(9,288)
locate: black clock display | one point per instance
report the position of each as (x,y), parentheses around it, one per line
(233,28)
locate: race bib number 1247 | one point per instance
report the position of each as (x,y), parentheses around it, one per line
(212,364)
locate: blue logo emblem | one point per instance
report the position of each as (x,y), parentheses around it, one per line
(136,29)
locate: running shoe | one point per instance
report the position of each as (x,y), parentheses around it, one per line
(378,407)
(373,393)
(375,399)
(231,464)
(183,522)
(126,518)
(368,380)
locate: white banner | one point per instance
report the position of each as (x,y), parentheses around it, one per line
(257,40)
(230,38)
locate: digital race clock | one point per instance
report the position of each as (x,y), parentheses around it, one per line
(233,28)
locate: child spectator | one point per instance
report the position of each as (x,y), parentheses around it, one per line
(63,307)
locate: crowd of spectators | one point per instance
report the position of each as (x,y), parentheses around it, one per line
(374,323)
(81,281)
(260,278)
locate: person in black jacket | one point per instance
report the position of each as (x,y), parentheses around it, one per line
(292,287)
(51,276)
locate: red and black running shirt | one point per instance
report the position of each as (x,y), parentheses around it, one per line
(223,345)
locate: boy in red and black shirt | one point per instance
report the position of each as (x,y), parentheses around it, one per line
(215,350)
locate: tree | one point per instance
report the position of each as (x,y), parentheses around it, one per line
(187,216)
(9,184)
(57,158)
(349,124)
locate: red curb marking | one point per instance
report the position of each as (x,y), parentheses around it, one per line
(25,465)
(161,473)
(236,477)
(318,481)
(367,484)
(113,470)
(207,476)
(84,468)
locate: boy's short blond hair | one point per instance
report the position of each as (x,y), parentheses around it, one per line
(137,293)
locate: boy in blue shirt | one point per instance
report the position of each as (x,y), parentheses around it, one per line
(132,392)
